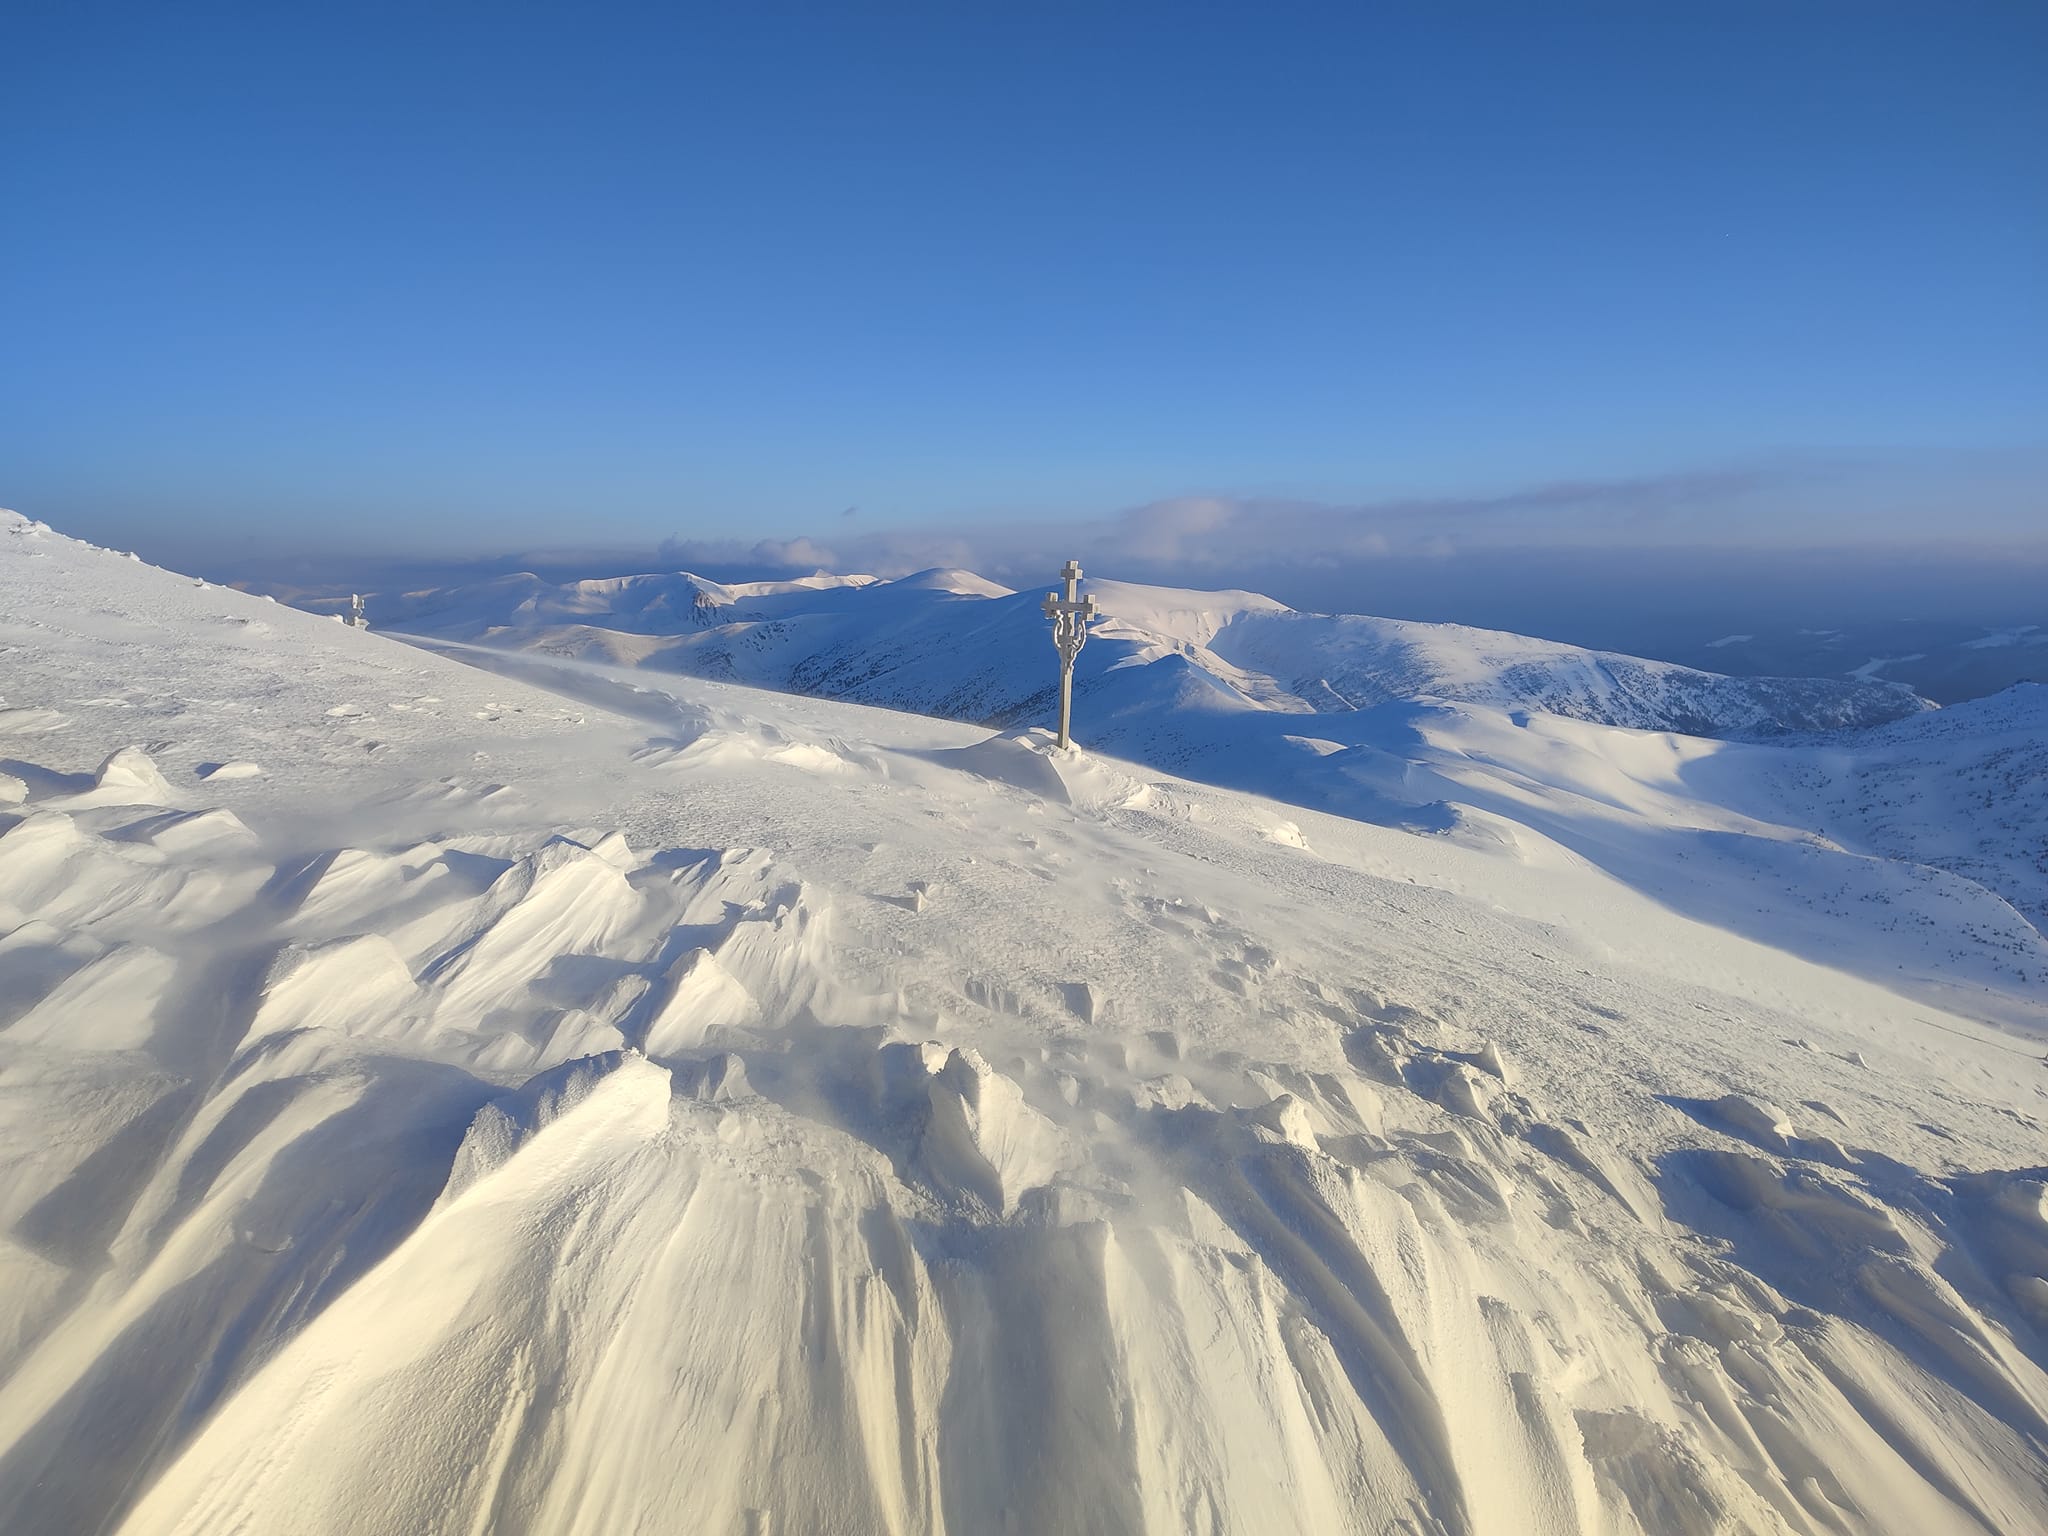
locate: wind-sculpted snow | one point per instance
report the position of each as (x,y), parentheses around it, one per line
(747,1113)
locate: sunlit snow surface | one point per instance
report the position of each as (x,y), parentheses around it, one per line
(430,1101)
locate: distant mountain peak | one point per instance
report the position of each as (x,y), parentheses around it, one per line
(950,642)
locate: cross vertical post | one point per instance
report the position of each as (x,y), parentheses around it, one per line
(1070,617)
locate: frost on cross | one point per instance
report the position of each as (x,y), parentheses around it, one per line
(1070,617)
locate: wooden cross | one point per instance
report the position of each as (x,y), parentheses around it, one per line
(1069,632)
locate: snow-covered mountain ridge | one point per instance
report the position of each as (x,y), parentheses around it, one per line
(952,644)
(1216,685)
(431,1101)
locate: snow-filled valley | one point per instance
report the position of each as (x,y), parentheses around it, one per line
(520,1087)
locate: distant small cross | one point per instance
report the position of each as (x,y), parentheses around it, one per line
(1070,617)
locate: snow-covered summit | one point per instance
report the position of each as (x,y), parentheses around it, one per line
(436,1099)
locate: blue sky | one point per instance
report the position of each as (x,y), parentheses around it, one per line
(427,277)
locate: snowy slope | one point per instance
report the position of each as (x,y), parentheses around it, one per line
(949,643)
(1369,661)
(432,1102)
(1964,789)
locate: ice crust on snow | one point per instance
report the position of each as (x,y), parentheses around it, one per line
(561,1118)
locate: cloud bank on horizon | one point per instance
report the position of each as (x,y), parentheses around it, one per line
(1842,502)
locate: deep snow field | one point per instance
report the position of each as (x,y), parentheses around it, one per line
(539,1095)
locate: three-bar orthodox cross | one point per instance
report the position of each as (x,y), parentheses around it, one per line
(1069,632)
